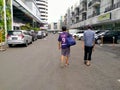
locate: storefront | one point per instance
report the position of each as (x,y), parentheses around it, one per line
(117,26)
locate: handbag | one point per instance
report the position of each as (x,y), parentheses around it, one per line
(71,41)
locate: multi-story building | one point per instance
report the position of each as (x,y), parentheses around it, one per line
(72,15)
(43,7)
(17,13)
(24,12)
(55,26)
(101,14)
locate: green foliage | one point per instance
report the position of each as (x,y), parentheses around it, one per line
(2,20)
(3,36)
(1,2)
(24,28)
(1,14)
(28,27)
(9,21)
(8,14)
(8,17)
(36,29)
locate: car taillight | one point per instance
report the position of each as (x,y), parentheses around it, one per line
(22,36)
(8,36)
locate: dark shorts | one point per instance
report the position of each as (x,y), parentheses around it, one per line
(65,52)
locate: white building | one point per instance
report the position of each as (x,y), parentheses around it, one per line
(43,7)
(101,14)
(24,12)
(16,14)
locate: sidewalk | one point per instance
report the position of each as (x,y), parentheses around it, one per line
(111,48)
(3,46)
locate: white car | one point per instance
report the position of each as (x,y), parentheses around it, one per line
(79,35)
(73,31)
(18,37)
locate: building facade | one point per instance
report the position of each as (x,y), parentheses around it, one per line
(101,14)
(24,12)
(43,8)
(17,13)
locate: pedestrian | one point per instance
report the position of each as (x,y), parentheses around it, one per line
(62,45)
(88,44)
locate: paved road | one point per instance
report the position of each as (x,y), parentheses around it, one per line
(37,67)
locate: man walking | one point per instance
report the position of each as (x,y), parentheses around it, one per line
(62,45)
(88,44)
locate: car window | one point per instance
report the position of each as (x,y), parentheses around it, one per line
(17,33)
(26,33)
(14,32)
(81,32)
(96,32)
(111,33)
(118,32)
(39,32)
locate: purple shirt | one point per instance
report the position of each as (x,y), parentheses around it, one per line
(63,39)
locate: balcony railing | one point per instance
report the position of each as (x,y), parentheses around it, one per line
(77,15)
(83,10)
(83,1)
(94,3)
(92,15)
(112,7)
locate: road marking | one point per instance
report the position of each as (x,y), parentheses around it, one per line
(118,80)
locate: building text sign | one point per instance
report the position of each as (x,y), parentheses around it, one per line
(104,17)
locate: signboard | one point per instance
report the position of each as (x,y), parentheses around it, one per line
(104,17)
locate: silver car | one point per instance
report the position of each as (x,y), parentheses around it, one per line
(40,35)
(18,37)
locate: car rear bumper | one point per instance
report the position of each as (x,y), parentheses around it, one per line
(39,36)
(16,42)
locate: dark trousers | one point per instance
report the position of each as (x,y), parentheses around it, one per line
(88,52)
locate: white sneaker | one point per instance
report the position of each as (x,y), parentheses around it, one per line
(66,65)
(62,65)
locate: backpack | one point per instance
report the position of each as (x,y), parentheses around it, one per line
(70,40)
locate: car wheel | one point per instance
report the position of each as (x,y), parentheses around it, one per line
(99,41)
(10,45)
(26,44)
(31,42)
(34,39)
(118,41)
(81,38)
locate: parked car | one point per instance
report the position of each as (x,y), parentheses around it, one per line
(40,35)
(109,37)
(18,37)
(73,31)
(33,34)
(79,34)
(100,33)
(44,33)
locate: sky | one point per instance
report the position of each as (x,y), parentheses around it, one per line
(58,8)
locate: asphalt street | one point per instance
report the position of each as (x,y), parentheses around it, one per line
(37,67)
